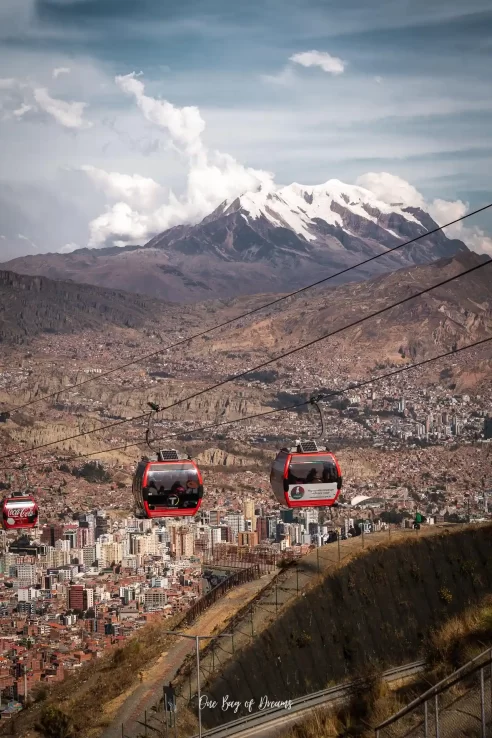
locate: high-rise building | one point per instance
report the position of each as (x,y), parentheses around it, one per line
(287,516)
(487,428)
(215,535)
(227,534)
(272,526)
(216,516)
(236,522)
(51,534)
(262,529)
(85,536)
(80,598)
(89,554)
(247,538)
(249,512)
(182,543)
(26,574)
(111,553)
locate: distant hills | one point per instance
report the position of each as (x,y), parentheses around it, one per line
(30,306)
(260,242)
(453,315)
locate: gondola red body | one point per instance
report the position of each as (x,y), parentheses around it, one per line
(306,476)
(19,513)
(169,488)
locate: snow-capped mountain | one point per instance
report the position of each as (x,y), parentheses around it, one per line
(265,241)
(299,207)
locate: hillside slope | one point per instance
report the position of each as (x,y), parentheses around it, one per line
(377,610)
(33,305)
(454,315)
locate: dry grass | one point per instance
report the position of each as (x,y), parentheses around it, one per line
(461,638)
(372,702)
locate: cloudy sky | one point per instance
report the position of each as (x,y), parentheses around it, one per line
(120,118)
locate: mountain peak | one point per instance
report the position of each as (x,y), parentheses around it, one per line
(298,207)
(282,236)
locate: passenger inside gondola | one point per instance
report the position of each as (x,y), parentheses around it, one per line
(315,471)
(329,473)
(312,476)
(165,490)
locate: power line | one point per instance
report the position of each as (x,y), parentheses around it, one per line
(233,377)
(247,314)
(320,397)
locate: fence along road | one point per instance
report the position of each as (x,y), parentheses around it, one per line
(149,692)
(263,599)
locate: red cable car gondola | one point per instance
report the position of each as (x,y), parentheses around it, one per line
(19,512)
(169,487)
(307,475)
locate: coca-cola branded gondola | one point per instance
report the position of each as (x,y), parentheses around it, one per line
(19,512)
(306,475)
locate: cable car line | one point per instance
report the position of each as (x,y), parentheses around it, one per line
(319,397)
(233,377)
(244,315)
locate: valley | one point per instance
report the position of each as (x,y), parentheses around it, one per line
(424,405)
(407,442)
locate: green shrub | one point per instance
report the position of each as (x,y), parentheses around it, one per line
(54,723)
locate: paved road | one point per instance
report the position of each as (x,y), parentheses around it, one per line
(131,707)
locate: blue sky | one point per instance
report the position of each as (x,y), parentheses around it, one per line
(405,89)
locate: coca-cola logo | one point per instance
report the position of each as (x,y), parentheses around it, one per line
(21,512)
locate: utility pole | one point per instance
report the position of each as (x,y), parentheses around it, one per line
(197,639)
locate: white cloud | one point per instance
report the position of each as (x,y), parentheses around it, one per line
(323,60)
(185,125)
(20,112)
(392,189)
(135,190)
(68,248)
(68,114)
(21,237)
(212,178)
(8,83)
(60,70)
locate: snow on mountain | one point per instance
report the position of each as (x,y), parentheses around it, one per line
(297,206)
(272,239)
